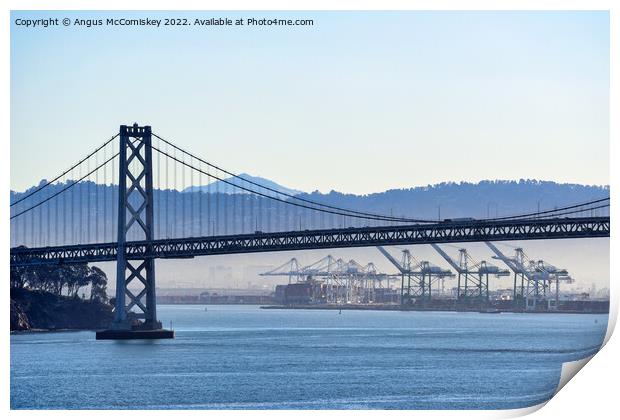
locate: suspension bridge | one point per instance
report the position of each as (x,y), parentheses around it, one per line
(125,202)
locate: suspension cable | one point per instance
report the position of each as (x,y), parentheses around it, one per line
(575,211)
(64,189)
(520,216)
(64,173)
(340,209)
(280,199)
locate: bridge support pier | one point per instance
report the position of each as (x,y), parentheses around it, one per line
(135,314)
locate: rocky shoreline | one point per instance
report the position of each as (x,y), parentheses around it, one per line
(35,310)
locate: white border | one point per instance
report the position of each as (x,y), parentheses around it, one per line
(593,395)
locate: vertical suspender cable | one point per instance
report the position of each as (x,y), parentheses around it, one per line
(89,210)
(278,216)
(48,239)
(12,232)
(56,221)
(16,229)
(174,214)
(233,198)
(228,190)
(252,218)
(259,222)
(234,210)
(26,218)
(167,195)
(97,191)
(266,214)
(200,198)
(104,221)
(216,223)
(182,190)
(21,226)
(159,191)
(19,230)
(243,204)
(40,236)
(80,193)
(65,214)
(31,227)
(73,215)
(192,193)
(209,203)
(113,213)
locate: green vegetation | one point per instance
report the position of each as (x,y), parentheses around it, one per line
(62,280)
(54,297)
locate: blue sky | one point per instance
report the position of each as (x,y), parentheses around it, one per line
(360,102)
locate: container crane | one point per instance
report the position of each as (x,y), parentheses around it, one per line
(289,268)
(423,274)
(335,280)
(536,277)
(475,275)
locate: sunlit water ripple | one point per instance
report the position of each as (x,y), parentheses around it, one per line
(242,357)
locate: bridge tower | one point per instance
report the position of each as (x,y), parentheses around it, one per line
(135,314)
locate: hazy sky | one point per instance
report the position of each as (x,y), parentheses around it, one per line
(359,102)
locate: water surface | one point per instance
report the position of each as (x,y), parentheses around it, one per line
(249,358)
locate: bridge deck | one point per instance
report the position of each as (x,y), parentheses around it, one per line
(442,232)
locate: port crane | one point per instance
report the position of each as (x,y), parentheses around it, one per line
(473,276)
(420,276)
(291,269)
(341,281)
(536,277)
(550,275)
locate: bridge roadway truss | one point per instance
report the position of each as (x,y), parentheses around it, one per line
(442,232)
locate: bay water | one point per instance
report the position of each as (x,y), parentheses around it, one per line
(245,357)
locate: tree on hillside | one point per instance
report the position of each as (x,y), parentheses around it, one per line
(98,285)
(62,279)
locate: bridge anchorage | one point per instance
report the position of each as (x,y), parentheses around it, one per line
(135,199)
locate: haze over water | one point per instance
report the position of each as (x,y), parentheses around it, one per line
(242,357)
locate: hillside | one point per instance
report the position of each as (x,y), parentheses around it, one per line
(90,209)
(40,310)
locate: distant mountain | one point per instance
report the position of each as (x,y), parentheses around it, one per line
(223,187)
(87,212)
(488,198)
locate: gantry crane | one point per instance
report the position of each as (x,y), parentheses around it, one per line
(339,281)
(290,269)
(537,277)
(420,276)
(473,276)
(551,275)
